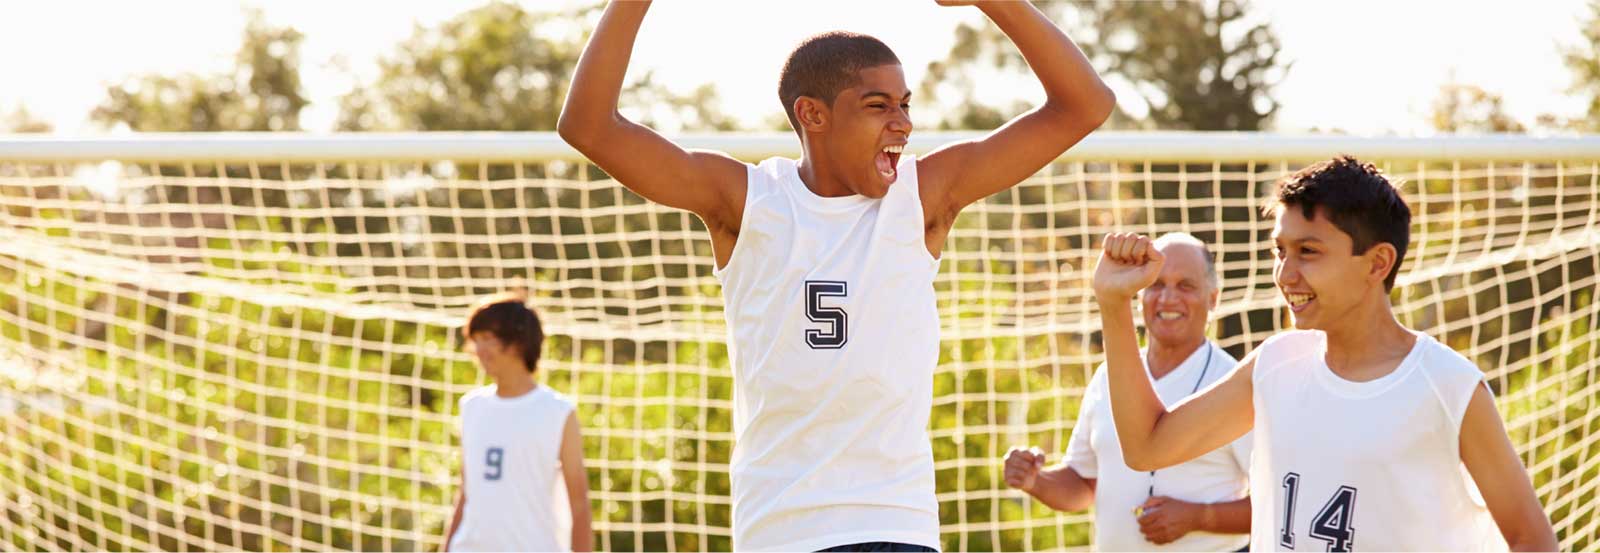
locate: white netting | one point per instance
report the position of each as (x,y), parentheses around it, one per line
(244,349)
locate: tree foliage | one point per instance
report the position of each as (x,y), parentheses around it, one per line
(1469,108)
(261,93)
(1195,66)
(1583,59)
(500,68)
(20,120)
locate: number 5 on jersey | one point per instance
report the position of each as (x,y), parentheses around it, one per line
(836,329)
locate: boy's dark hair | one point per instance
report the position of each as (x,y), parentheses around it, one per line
(510,320)
(825,64)
(1357,198)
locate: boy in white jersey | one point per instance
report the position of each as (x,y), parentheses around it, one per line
(1362,426)
(827,265)
(517,439)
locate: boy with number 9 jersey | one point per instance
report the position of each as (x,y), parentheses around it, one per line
(517,439)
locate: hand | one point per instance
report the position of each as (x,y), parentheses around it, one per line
(1023,466)
(1128,263)
(1163,520)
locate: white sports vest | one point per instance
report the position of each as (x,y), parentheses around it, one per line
(1363,466)
(511,455)
(834,334)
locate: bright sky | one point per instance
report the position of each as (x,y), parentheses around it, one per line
(1365,66)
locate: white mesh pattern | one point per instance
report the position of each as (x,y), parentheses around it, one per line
(233,354)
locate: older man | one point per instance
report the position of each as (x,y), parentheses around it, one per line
(1201,505)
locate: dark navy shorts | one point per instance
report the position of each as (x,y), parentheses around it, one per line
(877,546)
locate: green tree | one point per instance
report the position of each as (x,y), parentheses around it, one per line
(1583,59)
(1468,108)
(501,68)
(262,93)
(20,120)
(1195,65)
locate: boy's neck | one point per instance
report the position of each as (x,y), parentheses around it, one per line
(817,180)
(1369,344)
(516,385)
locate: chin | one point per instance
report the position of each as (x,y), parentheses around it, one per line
(1305,323)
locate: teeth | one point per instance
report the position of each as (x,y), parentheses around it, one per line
(894,149)
(1168,315)
(1297,299)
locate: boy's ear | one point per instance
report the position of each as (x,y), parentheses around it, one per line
(1383,258)
(812,114)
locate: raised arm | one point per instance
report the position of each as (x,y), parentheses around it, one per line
(1487,453)
(1153,438)
(1076,102)
(710,184)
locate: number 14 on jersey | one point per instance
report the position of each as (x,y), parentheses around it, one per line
(1333,524)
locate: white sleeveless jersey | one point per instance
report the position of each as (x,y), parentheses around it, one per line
(1363,466)
(834,334)
(511,455)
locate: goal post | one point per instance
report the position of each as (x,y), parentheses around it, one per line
(249,341)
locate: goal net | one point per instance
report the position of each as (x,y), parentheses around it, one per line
(250,341)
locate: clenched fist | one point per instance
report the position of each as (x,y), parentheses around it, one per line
(1023,466)
(1128,263)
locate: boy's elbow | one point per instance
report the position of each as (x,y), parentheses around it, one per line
(581,126)
(1093,110)
(1082,116)
(571,129)
(1139,460)
(1140,464)
(1105,102)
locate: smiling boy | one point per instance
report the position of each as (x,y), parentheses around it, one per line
(1365,430)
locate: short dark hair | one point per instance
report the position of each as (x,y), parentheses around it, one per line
(510,320)
(1357,198)
(825,64)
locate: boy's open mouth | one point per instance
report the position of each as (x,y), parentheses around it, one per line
(887,161)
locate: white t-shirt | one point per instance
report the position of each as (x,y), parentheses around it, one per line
(833,334)
(1216,477)
(511,456)
(1368,466)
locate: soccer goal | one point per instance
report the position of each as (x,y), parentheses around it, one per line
(249,341)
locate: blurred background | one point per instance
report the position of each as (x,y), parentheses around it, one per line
(1363,67)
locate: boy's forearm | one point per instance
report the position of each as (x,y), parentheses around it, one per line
(582,533)
(597,81)
(1134,405)
(1068,77)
